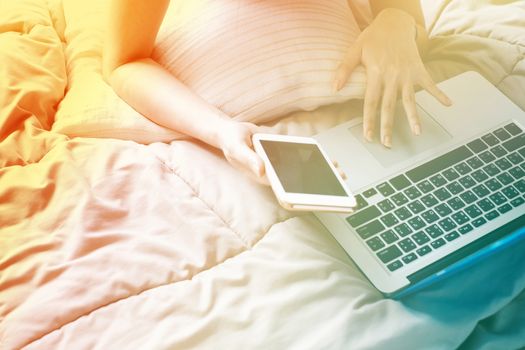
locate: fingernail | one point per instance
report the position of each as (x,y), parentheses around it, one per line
(335,85)
(387,141)
(369,136)
(417,130)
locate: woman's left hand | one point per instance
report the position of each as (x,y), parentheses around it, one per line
(388,50)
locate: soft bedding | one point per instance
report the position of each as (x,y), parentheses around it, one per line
(112,244)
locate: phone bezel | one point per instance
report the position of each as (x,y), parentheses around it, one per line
(303,201)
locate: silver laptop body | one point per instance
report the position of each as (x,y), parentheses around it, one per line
(435,202)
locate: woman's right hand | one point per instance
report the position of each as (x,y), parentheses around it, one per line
(235,141)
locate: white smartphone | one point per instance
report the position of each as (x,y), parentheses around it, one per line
(301,175)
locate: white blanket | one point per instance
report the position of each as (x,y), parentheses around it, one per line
(109,244)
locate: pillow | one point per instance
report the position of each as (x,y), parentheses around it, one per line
(255,60)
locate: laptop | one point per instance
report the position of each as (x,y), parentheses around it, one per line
(436,203)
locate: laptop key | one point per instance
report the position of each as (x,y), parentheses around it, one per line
(473,211)
(503,164)
(460,218)
(481,190)
(479,221)
(517,202)
(375,243)
(389,254)
(510,192)
(363,216)
(520,186)
(515,158)
(447,224)
(463,168)
(475,162)
(485,204)
(491,169)
(451,236)
(370,192)
(368,230)
(513,129)
(502,134)
(403,213)
(361,202)
(465,229)
(505,208)
(491,215)
(407,245)
(407,259)
(385,205)
(430,216)
(456,203)
(412,193)
(416,223)
(399,199)
(395,265)
(493,184)
(416,207)
(429,200)
(400,182)
(487,157)
(498,151)
(477,145)
(442,194)
(517,172)
(389,236)
(385,189)
(454,187)
(468,197)
(403,230)
(434,231)
(498,198)
(425,186)
(450,174)
(443,210)
(467,181)
(479,175)
(490,139)
(505,178)
(423,250)
(514,143)
(438,243)
(389,220)
(420,238)
(438,180)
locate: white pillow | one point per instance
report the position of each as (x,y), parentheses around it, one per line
(255,60)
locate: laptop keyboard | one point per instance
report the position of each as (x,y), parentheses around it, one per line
(441,200)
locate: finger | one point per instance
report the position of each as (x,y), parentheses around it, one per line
(430,86)
(409,104)
(388,106)
(335,163)
(341,173)
(351,60)
(372,95)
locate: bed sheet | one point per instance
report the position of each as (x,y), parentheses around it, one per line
(112,244)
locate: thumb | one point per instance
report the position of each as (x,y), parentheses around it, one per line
(351,60)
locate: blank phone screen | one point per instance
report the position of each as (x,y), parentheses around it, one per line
(301,168)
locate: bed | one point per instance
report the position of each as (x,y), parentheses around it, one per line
(108,243)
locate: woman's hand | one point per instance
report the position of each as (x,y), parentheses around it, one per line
(235,141)
(388,50)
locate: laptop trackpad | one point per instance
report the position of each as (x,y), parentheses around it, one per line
(404,144)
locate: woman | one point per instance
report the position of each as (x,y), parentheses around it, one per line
(389,48)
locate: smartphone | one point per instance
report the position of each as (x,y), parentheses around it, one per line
(301,175)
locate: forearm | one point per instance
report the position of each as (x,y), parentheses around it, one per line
(154,92)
